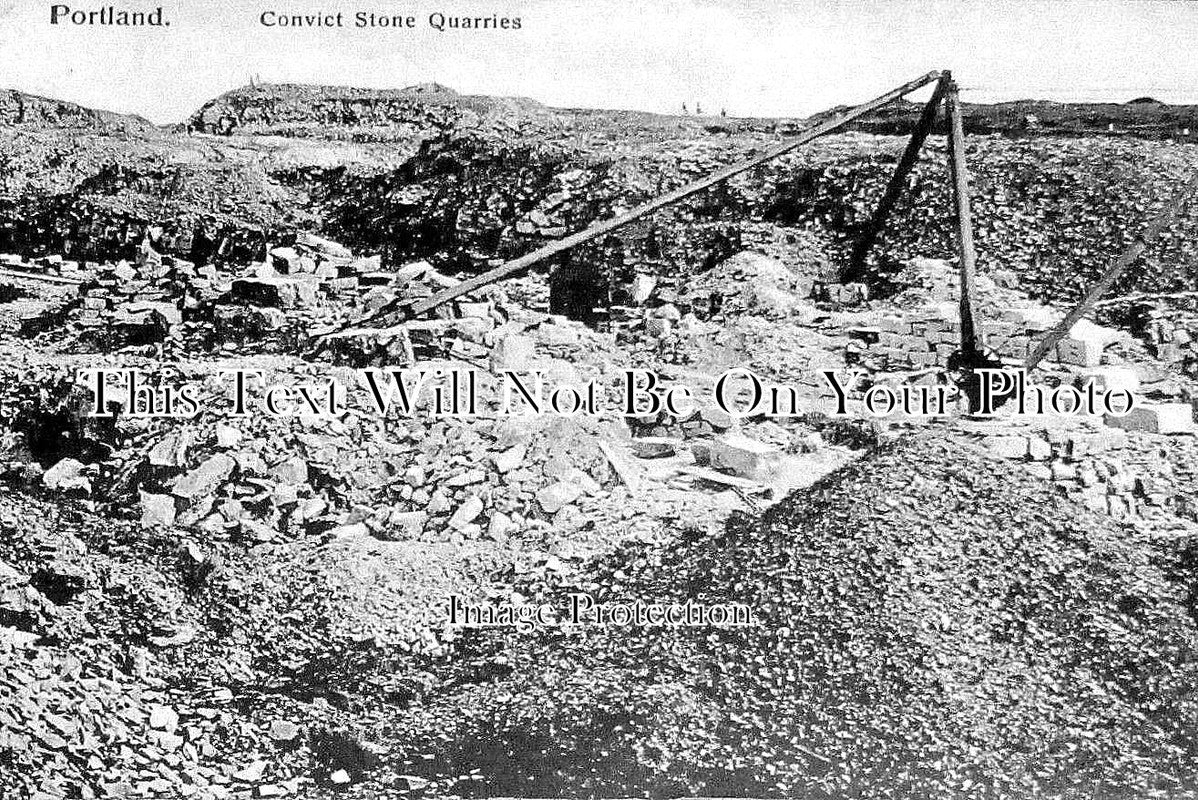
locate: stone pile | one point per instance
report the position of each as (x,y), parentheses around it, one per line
(84,716)
(1104,468)
(69,725)
(309,284)
(142,302)
(35,304)
(316,281)
(922,328)
(259,479)
(443,481)
(927,339)
(121,303)
(925,541)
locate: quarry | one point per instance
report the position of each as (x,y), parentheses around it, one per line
(288,386)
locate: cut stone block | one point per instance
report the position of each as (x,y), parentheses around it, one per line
(376,279)
(416,270)
(1157,418)
(170,314)
(1038,449)
(325,247)
(286,259)
(1110,379)
(1084,345)
(716,417)
(481,310)
(1032,318)
(746,457)
(157,510)
(362,265)
(1006,446)
(513,352)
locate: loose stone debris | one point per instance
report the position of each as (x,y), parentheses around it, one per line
(219,606)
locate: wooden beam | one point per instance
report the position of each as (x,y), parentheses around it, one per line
(17,274)
(1163,220)
(971,333)
(607,226)
(894,190)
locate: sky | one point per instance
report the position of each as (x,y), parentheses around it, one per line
(751,57)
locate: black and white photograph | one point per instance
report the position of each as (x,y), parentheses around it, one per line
(598,399)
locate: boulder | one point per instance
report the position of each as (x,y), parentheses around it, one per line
(642,288)
(745,457)
(163,718)
(284,731)
(157,510)
(510,459)
(204,479)
(293,470)
(66,476)
(466,513)
(556,496)
(168,452)
(227,436)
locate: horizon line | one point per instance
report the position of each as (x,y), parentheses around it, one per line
(1136,96)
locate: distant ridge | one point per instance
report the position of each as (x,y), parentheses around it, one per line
(1143,117)
(21,108)
(305,110)
(363,114)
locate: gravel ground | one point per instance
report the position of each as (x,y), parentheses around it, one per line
(936,623)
